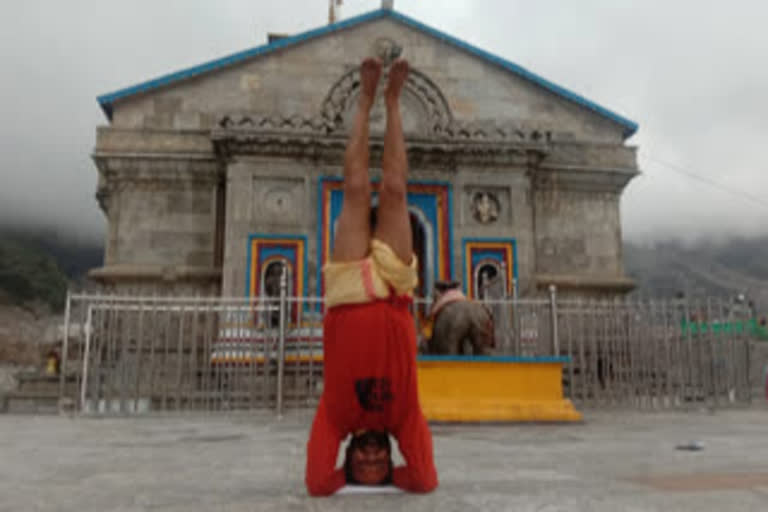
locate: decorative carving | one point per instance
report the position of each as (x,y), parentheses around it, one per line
(291,124)
(553,178)
(103,196)
(278,201)
(485,207)
(453,131)
(343,93)
(329,149)
(438,138)
(493,131)
(158,171)
(426,102)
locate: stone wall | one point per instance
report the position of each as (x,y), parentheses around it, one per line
(182,203)
(577,233)
(266,196)
(511,187)
(164,212)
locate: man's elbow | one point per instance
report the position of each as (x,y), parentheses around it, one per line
(317,489)
(416,481)
(316,486)
(326,485)
(427,479)
(426,486)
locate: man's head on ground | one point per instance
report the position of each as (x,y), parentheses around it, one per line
(368,459)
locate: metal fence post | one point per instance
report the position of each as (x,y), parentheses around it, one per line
(86,355)
(281,342)
(502,314)
(688,385)
(747,367)
(65,348)
(516,335)
(553,310)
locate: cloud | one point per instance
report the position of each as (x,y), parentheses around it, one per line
(688,72)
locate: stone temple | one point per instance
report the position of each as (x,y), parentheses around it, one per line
(215,178)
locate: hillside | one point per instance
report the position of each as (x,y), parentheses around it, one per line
(730,268)
(37,266)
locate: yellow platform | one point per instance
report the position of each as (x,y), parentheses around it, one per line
(494,389)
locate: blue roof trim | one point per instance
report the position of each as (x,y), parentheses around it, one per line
(630,127)
(495,359)
(106,100)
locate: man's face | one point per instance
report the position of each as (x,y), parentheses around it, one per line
(369,462)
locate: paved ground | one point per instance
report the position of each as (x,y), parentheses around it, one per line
(613,462)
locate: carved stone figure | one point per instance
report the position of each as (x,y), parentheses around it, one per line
(272,277)
(485,207)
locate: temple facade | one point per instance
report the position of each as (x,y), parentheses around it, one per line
(217,178)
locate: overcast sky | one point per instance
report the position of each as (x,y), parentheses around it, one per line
(693,75)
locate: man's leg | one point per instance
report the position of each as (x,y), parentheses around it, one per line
(393,225)
(353,233)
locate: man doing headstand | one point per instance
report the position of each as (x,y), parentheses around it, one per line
(369,340)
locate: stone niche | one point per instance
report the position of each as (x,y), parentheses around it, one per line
(487,206)
(423,107)
(279,201)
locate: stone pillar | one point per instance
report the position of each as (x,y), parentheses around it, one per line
(239,205)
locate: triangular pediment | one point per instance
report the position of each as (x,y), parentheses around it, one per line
(299,75)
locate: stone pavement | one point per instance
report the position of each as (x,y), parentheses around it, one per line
(618,461)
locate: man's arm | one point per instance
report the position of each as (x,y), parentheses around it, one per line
(322,477)
(415,442)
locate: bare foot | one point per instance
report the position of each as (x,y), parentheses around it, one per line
(370,73)
(398,73)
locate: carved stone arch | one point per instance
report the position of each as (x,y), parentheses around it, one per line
(421,98)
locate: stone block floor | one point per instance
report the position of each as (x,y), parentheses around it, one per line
(614,461)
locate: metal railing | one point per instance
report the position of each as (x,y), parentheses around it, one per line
(128,355)
(643,355)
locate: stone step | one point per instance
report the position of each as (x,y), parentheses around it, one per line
(30,402)
(40,382)
(70,388)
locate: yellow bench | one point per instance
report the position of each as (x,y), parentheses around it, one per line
(493,389)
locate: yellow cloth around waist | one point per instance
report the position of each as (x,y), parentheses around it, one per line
(357,282)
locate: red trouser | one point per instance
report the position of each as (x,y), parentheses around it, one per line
(370,384)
